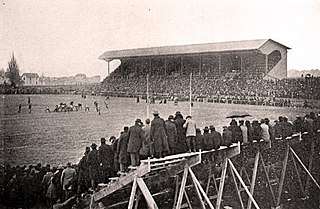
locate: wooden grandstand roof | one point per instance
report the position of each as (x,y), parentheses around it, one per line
(188,49)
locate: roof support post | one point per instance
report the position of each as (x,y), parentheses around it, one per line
(219,64)
(108,62)
(181,66)
(165,65)
(200,64)
(266,64)
(241,63)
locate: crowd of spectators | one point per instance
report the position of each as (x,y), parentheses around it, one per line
(265,91)
(51,186)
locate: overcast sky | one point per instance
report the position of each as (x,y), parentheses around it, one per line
(65,37)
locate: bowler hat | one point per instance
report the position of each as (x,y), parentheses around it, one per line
(178,113)
(170,117)
(206,128)
(138,120)
(93,145)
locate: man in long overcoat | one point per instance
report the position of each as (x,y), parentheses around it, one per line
(93,163)
(181,145)
(172,134)
(158,134)
(135,135)
(122,147)
(106,160)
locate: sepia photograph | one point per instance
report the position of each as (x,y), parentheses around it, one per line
(144,104)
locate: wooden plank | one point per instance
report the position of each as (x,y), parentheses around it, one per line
(198,192)
(305,168)
(268,180)
(182,187)
(237,188)
(283,174)
(310,166)
(188,200)
(198,185)
(223,178)
(298,175)
(123,181)
(133,193)
(243,184)
(136,206)
(254,176)
(209,179)
(233,150)
(176,192)
(146,193)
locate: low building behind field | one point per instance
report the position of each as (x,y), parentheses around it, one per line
(78,79)
(33,79)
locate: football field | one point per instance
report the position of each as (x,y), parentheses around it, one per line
(59,137)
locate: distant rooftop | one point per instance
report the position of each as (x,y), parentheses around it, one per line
(31,75)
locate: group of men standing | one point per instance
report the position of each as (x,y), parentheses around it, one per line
(158,138)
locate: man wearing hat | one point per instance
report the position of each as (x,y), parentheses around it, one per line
(264,131)
(172,134)
(298,124)
(106,160)
(217,138)
(208,138)
(135,138)
(181,134)
(68,180)
(83,179)
(93,164)
(190,126)
(226,136)
(146,130)
(244,131)
(158,134)
(122,147)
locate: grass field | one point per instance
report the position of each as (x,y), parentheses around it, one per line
(56,138)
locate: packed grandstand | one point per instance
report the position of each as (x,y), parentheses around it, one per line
(245,72)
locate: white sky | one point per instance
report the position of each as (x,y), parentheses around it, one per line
(65,37)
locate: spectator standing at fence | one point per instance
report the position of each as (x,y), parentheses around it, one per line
(116,165)
(68,180)
(93,164)
(172,134)
(244,131)
(298,125)
(217,138)
(190,126)
(208,138)
(106,160)
(158,134)
(256,134)
(83,178)
(287,128)
(135,136)
(271,129)
(200,142)
(308,125)
(226,137)
(250,130)
(264,131)
(146,130)
(122,147)
(236,131)
(181,134)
